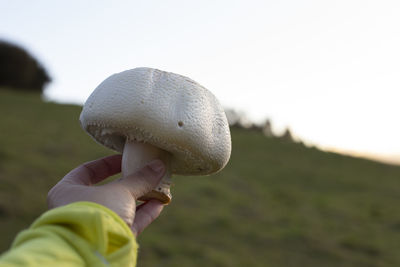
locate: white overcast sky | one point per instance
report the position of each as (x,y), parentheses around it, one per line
(330,70)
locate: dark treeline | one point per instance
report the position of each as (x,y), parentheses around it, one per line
(239,120)
(19,70)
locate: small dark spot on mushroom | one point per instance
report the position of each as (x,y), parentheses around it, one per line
(180,123)
(159,188)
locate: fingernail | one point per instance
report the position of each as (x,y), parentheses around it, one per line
(157,166)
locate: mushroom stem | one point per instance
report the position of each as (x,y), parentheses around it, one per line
(135,156)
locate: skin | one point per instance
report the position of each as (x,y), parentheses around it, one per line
(120,195)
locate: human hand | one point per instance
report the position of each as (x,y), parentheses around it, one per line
(120,195)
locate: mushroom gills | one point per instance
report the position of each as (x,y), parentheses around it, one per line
(136,155)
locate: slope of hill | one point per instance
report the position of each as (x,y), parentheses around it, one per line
(275,204)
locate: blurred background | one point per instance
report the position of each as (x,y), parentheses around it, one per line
(311,91)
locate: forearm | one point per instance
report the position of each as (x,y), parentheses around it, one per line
(79,234)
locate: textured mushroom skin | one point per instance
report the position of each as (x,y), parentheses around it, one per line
(167,110)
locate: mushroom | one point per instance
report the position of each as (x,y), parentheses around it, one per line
(148,114)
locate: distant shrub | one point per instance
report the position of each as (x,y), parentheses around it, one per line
(19,70)
(287,136)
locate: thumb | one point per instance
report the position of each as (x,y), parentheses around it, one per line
(144,180)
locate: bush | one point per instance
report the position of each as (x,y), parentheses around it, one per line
(19,70)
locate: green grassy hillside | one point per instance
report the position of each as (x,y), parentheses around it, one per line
(275,204)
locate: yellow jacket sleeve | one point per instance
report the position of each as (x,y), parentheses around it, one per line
(79,234)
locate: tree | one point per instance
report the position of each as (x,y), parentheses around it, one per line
(267,129)
(19,70)
(287,136)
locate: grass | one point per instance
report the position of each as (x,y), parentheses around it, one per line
(275,204)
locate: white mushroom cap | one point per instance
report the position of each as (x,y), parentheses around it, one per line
(167,110)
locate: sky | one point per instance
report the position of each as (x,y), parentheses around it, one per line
(328,70)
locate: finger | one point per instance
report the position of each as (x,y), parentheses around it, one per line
(145,215)
(94,171)
(143,181)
